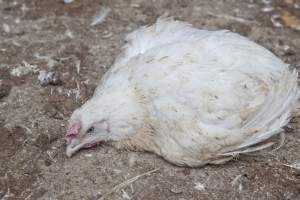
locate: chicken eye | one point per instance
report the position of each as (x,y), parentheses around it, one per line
(90,130)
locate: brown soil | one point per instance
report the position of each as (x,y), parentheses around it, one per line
(54,36)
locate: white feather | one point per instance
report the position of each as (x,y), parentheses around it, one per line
(100,17)
(205,94)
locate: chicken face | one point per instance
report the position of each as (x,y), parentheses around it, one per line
(111,116)
(79,136)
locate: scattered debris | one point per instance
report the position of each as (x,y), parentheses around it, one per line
(59,116)
(16,43)
(49,78)
(68,1)
(267,1)
(24,69)
(237,182)
(295,166)
(8,194)
(281,142)
(125,195)
(17,20)
(117,171)
(232,18)
(286,19)
(290,21)
(78,66)
(50,62)
(176,190)
(28,130)
(276,20)
(96,195)
(135,4)
(24,8)
(106,34)
(88,155)
(52,155)
(71,93)
(100,17)
(289,1)
(77,92)
(267,9)
(69,34)
(126,183)
(199,186)
(6,28)
(286,47)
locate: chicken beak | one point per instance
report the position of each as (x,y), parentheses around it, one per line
(73,147)
(73,143)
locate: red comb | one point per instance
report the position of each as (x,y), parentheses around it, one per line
(73,131)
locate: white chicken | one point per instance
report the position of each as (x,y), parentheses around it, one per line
(192,96)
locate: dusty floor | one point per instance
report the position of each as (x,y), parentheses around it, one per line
(49,35)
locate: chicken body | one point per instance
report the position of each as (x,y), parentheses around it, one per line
(191,96)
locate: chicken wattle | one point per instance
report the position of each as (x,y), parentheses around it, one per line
(191,96)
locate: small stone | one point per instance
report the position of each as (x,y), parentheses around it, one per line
(199,186)
(49,78)
(276,20)
(6,28)
(176,190)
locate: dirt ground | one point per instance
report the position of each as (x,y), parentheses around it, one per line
(49,35)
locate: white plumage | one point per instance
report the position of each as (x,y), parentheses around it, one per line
(191,96)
